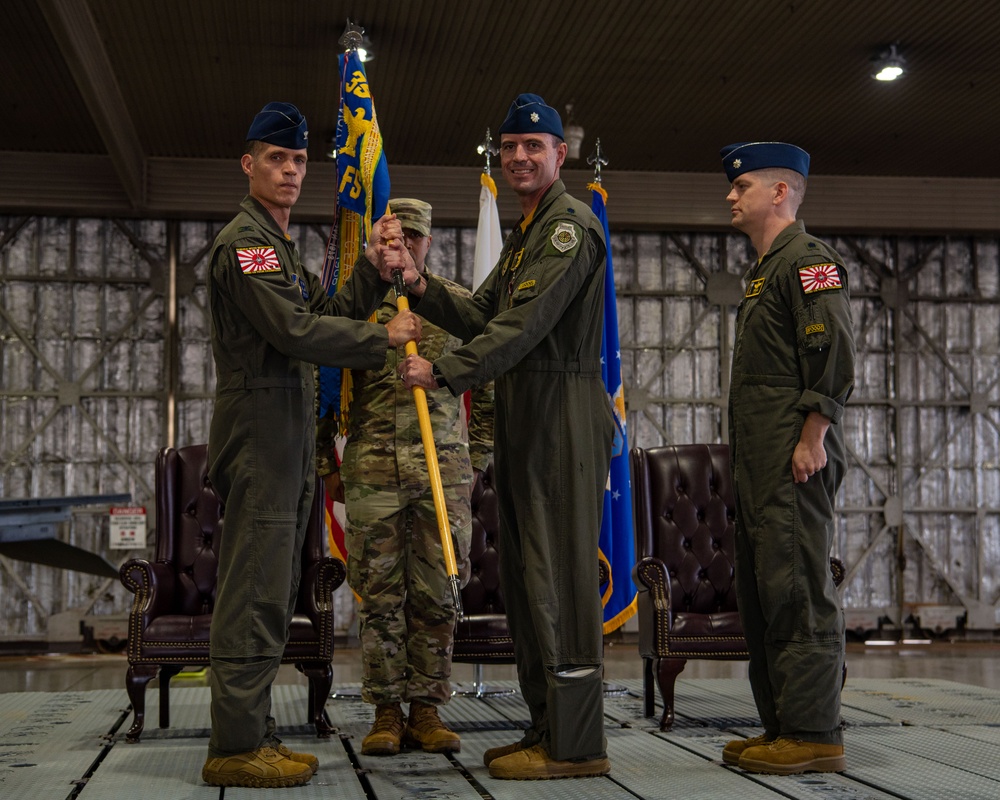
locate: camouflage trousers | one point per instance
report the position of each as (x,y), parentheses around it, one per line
(395,564)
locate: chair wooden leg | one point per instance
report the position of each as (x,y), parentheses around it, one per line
(320,682)
(136,679)
(648,698)
(667,670)
(166,673)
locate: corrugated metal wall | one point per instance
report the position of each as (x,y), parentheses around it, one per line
(104,346)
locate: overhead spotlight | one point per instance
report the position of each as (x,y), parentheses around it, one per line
(365,52)
(889,65)
(573,133)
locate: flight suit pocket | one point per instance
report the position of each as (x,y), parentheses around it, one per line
(812,328)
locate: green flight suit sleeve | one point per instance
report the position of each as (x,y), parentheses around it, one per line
(538,296)
(825,343)
(481,426)
(274,306)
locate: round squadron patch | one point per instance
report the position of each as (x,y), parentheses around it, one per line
(564,237)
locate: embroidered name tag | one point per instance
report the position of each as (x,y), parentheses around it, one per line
(526,285)
(755,287)
(257,259)
(819,277)
(564,237)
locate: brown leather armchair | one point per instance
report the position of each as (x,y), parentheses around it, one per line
(684,512)
(174,594)
(482,636)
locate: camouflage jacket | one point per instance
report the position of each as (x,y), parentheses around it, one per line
(384,447)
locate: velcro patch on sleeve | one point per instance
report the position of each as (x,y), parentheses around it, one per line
(564,237)
(254,260)
(820,277)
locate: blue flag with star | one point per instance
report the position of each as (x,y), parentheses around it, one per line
(617,542)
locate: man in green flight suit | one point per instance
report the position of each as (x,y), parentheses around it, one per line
(535,325)
(271,321)
(793,370)
(395,562)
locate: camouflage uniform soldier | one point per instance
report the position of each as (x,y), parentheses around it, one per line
(395,561)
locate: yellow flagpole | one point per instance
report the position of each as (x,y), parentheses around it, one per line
(433,470)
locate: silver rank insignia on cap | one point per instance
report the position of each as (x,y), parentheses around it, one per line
(737,162)
(534,116)
(564,237)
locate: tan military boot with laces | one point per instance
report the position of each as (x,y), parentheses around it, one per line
(386,733)
(263,768)
(733,750)
(535,764)
(785,756)
(425,730)
(302,758)
(499,752)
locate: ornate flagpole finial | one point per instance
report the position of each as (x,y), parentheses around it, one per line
(353,35)
(487,149)
(598,160)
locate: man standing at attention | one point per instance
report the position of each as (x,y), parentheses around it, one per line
(535,326)
(395,562)
(271,321)
(793,370)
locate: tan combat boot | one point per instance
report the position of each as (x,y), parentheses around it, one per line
(386,734)
(302,758)
(425,730)
(535,764)
(733,750)
(499,752)
(263,768)
(786,756)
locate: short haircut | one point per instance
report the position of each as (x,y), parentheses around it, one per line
(255,147)
(795,181)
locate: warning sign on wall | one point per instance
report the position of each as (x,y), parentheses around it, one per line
(128,528)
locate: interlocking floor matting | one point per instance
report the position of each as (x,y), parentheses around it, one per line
(905,738)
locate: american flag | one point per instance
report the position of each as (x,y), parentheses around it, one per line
(819,277)
(257,259)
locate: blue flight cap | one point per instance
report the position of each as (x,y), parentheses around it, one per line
(281,124)
(749,156)
(529,114)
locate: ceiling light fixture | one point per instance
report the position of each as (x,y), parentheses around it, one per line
(573,134)
(889,65)
(365,52)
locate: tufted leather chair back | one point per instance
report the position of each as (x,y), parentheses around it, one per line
(685,499)
(189,518)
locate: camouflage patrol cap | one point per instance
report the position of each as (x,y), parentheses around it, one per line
(413,214)
(280,124)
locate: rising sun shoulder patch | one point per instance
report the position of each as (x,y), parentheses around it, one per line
(254,260)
